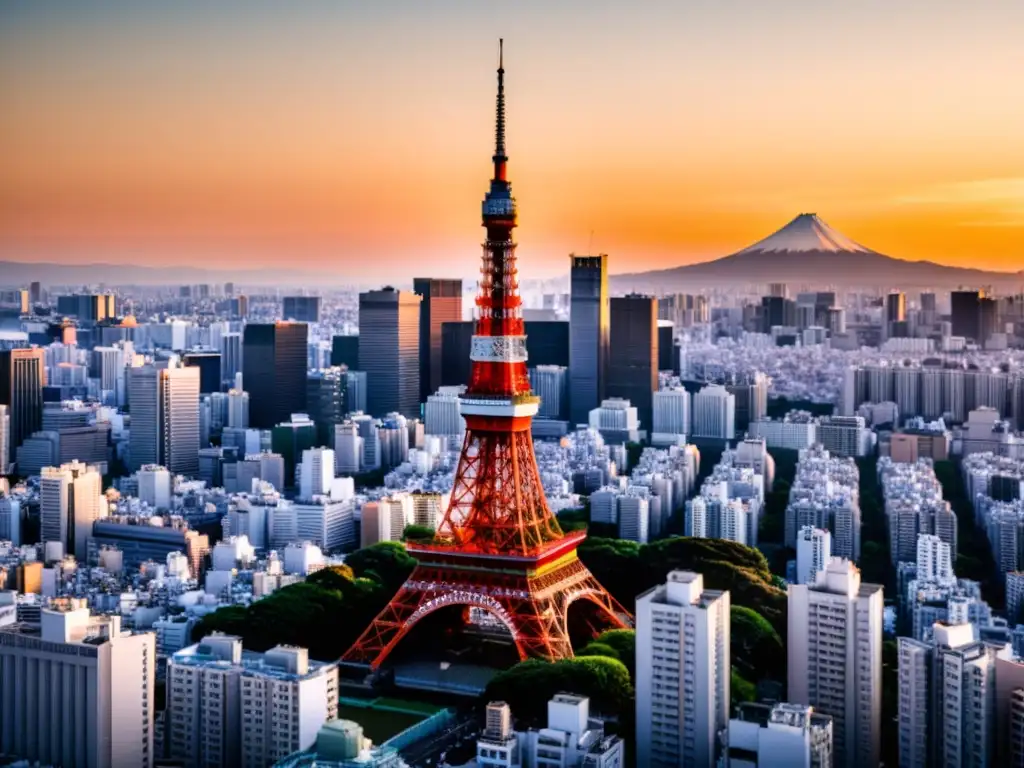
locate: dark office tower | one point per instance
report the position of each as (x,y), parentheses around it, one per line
(547,342)
(442,303)
(185,291)
(456,342)
(274,372)
(208,363)
(89,307)
(589,332)
(345,351)
(240,306)
(895,307)
(230,358)
(965,310)
(779,290)
(229,289)
(666,344)
(304,309)
(633,353)
(35,293)
(777,311)
(928,302)
(325,402)
(988,318)
(22,377)
(389,351)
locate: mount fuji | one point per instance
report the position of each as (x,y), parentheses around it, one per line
(807,251)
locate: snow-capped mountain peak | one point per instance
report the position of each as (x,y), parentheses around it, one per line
(807,232)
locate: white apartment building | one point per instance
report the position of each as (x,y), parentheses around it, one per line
(671,408)
(947,701)
(98,680)
(229,707)
(683,673)
(634,514)
(617,421)
(796,431)
(835,658)
(813,551)
(714,413)
(779,736)
(934,562)
(155,486)
(845,435)
(70,500)
(428,509)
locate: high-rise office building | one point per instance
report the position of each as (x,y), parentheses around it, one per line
(666,345)
(965,314)
(714,413)
(209,364)
(22,377)
(165,418)
(274,371)
(230,357)
(301,309)
(589,334)
(77,691)
(389,350)
(316,473)
(5,438)
(671,418)
(551,384)
(238,409)
(835,658)
(456,343)
(442,413)
(70,500)
(777,311)
(682,673)
(289,439)
(895,307)
(325,401)
(442,303)
(547,342)
(345,351)
(91,308)
(633,353)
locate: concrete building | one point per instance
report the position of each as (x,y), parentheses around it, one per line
(813,551)
(589,334)
(389,351)
(348,449)
(316,473)
(442,414)
(947,706)
(778,736)
(1014,596)
(164,418)
(714,413)
(617,421)
(845,435)
(551,384)
(228,707)
(303,309)
(95,683)
(385,519)
(5,439)
(835,658)
(70,501)
(238,408)
(683,673)
(671,419)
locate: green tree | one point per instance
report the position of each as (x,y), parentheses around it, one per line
(415,532)
(623,642)
(387,561)
(597,648)
(528,686)
(756,648)
(740,688)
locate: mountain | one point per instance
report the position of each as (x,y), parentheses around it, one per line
(807,251)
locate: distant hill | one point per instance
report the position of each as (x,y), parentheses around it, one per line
(807,251)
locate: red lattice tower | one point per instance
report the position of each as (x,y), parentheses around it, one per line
(499,547)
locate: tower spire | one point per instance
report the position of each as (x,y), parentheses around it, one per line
(500,158)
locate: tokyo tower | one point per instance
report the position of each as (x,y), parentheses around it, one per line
(499,548)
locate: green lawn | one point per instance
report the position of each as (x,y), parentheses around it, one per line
(378,725)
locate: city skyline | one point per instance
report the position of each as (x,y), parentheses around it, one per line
(350,141)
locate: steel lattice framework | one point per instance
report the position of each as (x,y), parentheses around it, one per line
(499,548)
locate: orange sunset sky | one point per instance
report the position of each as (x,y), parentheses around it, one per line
(355,137)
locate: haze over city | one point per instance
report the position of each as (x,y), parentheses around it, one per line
(352,138)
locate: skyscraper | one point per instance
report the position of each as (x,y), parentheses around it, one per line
(230,357)
(209,364)
(714,413)
(682,673)
(389,350)
(5,438)
(633,353)
(302,309)
(22,377)
(274,372)
(966,314)
(325,401)
(589,334)
(835,658)
(165,418)
(70,501)
(442,303)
